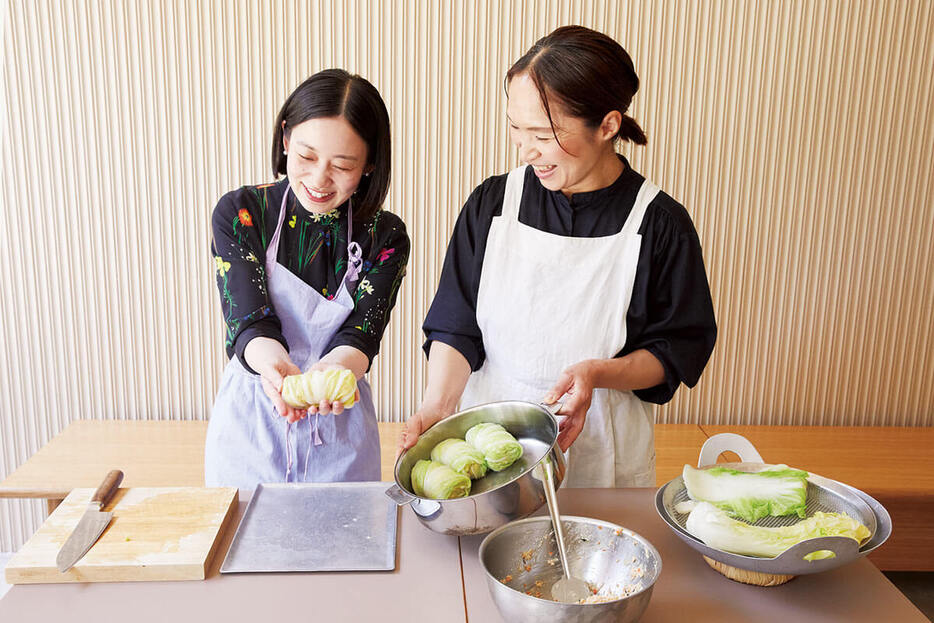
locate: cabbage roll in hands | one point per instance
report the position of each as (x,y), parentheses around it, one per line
(304,390)
(437,481)
(499,448)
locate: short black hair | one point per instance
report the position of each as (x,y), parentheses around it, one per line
(337,93)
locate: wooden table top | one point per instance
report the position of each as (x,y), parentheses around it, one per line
(150,453)
(675,445)
(889,461)
(171,453)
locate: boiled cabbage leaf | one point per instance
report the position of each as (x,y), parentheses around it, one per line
(304,390)
(460,456)
(437,481)
(717,529)
(777,491)
(499,448)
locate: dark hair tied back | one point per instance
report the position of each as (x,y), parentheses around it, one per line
(589,73)
(337,93)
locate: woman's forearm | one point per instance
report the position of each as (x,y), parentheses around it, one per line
(348,357)
(448,371)
(639,369)
(265,355)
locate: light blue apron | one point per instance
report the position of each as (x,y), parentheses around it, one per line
(248,442)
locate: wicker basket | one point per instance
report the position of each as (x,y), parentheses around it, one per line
(756,578)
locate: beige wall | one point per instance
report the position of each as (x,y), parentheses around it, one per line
(797,134)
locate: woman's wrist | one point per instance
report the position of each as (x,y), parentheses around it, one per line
(607,373)
(348,357)
(262,354)
(440,406)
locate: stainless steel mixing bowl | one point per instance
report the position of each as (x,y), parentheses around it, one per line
(521,565)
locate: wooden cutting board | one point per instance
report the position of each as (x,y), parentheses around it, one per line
(164,533)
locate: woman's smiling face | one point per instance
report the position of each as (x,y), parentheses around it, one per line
(574,165)
(326,159)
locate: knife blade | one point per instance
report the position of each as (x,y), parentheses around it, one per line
(92,524)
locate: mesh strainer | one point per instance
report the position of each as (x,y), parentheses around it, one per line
(823,494)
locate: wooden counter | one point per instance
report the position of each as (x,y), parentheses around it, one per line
(438,578)
(171,453)
(675,445)
(150,453)
(895,465)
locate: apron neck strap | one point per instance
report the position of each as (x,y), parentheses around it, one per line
(515,181)
(272,251)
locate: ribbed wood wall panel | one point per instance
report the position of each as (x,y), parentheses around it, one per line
(798,134)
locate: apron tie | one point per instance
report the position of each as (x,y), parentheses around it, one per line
(288,449)
(314,439)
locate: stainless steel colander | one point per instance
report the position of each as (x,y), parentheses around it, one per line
(823,494)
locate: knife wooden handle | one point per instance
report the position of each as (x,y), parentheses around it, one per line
(108,487)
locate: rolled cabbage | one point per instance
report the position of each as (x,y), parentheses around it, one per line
(718,530)
(304,390)
(460,456)
(437,481)
(777,491)
(499,448)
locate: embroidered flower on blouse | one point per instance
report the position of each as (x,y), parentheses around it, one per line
(384,254)
(252,258)
(245,218)
(221,265)
(292,221)
(330,214)
(366,286)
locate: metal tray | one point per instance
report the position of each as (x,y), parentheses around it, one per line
(346,526)
(824,495)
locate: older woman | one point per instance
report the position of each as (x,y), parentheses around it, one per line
(572,277)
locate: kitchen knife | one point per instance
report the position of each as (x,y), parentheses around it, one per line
(92,524)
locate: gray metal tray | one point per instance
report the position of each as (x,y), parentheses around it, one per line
(346,526)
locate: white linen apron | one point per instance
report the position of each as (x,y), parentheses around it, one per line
(248,442)
(546,302)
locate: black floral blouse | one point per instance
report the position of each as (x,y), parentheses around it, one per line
(313,247)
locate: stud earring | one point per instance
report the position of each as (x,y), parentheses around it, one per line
(285,152)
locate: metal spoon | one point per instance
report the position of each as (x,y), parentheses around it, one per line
(567,590)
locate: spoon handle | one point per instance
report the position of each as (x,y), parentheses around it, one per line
(551,497)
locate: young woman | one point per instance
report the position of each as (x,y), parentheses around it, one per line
(571,278)
(308,270)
